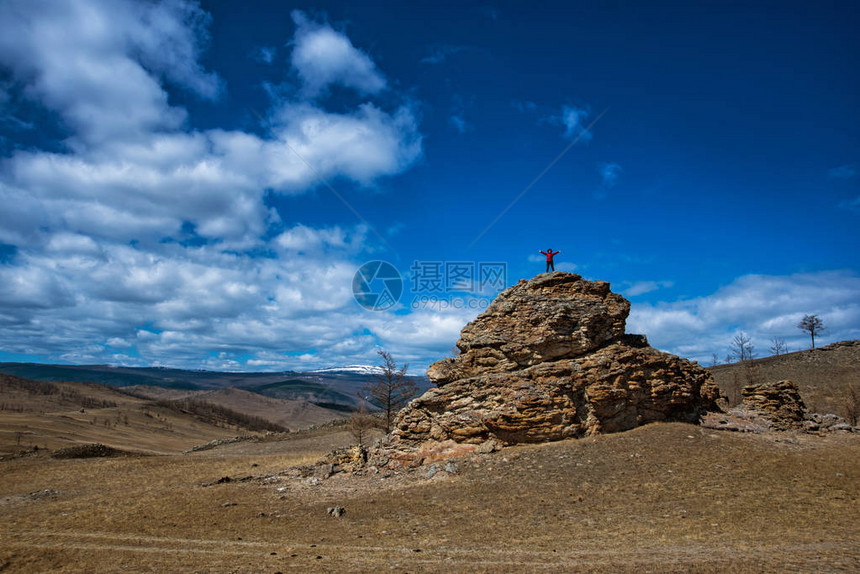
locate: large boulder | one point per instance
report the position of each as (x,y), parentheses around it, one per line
(546,361)
(778,402)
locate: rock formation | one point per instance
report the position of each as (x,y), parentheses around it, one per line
(546,361)
(779,403)
(775,406)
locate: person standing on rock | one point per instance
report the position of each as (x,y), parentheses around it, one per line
(549,255)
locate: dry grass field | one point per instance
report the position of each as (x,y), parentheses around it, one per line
(661,498)
(58,415)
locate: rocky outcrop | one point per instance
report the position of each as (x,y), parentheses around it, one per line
(775,406)
(546,361)
(779,403)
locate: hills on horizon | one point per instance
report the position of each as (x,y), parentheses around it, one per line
(333,388)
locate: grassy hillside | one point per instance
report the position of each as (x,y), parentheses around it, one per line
(823,375)
(52,415)
(291,414)
(329,390)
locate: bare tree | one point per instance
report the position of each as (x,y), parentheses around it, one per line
(715,360)
(852,403)
(812,325)
(361,423)
(778,346)
(742,347)
(390,390)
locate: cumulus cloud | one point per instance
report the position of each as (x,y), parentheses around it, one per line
(761,305)
(100,62)
(142,241)
(362,145)
(322,57)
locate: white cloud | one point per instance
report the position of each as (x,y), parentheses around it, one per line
(104,270)
(363,145)
(301,238)
(572,119)
(100,62)
(322,57)
(763,306)
(642,287)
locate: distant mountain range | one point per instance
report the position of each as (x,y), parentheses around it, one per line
(334,387)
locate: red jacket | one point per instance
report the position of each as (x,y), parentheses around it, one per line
(550,255)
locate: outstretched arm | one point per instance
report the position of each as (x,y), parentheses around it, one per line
(544,252)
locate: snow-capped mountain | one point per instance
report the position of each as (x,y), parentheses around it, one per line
(352,369)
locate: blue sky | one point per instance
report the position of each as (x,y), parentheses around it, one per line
(195,184)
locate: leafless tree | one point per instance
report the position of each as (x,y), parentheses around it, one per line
(852,403)
(715,360)
(778,346)
(390,390)
(361,423)
(742,347)
(812,325)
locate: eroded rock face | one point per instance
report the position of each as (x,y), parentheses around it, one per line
(554,315)
(779,402)
(546,361)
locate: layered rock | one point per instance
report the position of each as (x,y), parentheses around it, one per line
(775,406)
(546,361)
(778,402)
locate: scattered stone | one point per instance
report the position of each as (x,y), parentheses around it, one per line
(451,468)
(347,459)
(738,420)
(224,480)
(226,504)
(40,494)
(323,471)
(431,472)
(489,446)
(222,441)
(336,511)
(313,481)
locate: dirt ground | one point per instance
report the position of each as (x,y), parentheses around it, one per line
(661,498)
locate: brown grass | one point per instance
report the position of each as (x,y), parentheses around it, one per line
(666,497)
(58,415)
